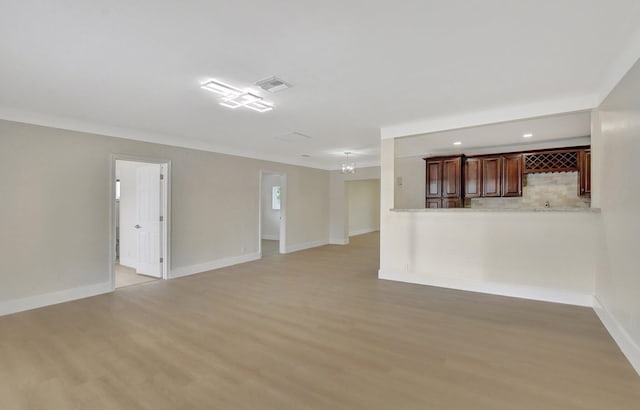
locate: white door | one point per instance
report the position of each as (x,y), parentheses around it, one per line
(148,225)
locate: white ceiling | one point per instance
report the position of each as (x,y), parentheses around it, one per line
(554,131)
(133,68)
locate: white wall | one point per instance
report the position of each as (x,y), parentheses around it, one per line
(270,217)
(617,129)
(540,255)
(363,199)
(339,225)
(54,213)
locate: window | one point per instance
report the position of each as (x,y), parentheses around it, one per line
(275,197)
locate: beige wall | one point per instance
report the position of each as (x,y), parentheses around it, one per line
(54,208)
(339,229)
(363,198)
(409,183)
(617,125)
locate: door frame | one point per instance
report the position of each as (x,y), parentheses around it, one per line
(166,212)
(283,209)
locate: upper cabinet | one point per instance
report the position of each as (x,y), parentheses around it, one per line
(434,178)
(493,176)
(512,175)
(443,182)
(452,178)
(584,172)
(449,180)
(473,178)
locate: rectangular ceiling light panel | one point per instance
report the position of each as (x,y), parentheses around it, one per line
(233,97)
(220,88)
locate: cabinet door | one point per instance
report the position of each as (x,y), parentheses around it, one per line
(512,175)
(491,177)
(473,178)
(452,203)
(434,179)
(451,178)
(433,203)
(584,169)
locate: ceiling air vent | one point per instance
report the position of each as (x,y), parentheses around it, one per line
(293,137)
(273,85)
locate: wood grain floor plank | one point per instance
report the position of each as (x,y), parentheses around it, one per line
(310,330)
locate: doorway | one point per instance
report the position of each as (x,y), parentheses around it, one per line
(272,213)
(140,229)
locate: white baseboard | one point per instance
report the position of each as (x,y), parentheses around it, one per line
(271,237)
(493,288)
(306,245)
(362,231)
(628,346)
(53,298)
(339,241)
(211,265)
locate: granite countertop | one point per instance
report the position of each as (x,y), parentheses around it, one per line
(588,210)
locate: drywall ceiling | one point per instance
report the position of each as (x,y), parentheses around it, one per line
(133,68)
(553,131)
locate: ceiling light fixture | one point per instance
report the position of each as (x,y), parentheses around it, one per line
(529,135)
(347,166)
(233,97)
(457,143)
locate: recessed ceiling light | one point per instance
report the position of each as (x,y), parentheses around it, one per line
(527,135)
(233,97)
(457,143)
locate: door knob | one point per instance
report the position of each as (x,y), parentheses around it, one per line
(137,227)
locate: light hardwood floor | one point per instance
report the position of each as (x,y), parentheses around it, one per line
(313,329)
(126,276)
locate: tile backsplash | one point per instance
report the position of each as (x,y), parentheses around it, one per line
(559,188)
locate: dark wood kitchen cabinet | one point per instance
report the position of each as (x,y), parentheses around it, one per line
(452,178)
(492,177)
(434,179)
(473,178)
(512,175)
(443,182)
(584,173)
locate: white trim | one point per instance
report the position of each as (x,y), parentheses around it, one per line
(52,298)
(271,237)
(306,245)
(503,114)
(339,241)
(625,342)
(211,265)
(363,231)
(493,288)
